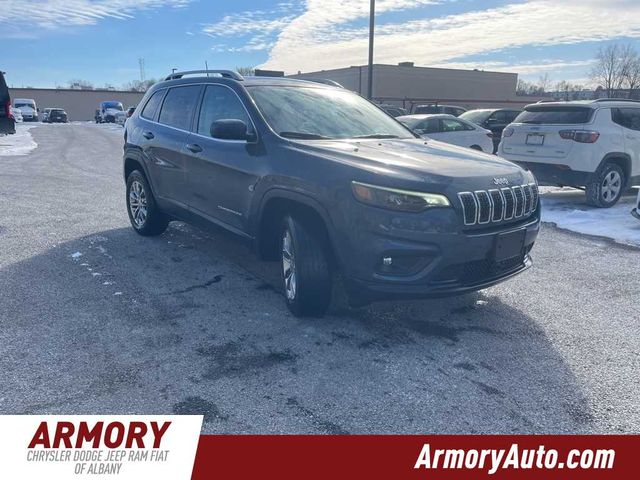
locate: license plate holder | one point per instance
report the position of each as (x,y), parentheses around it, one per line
(535,139)
(509,245)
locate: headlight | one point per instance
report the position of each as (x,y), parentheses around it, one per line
(394,199)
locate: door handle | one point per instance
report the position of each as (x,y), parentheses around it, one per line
(195,148)
(148,135)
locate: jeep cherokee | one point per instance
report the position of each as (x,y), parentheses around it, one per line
(325,182)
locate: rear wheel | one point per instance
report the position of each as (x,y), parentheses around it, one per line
(144,215)
(306,274)
(606,186)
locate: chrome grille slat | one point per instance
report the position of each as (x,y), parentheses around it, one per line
(496,205)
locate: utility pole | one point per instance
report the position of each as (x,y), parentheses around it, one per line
(372,24)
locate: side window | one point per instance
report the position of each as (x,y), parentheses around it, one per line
(498,117)
(429,126)
(511,116)
(451,125)
(178,106)
(150,109)
(220,103)
(627,117)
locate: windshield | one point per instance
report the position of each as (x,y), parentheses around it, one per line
(23,105)
(557,115)
(476,116)
(113,105)
(323,113)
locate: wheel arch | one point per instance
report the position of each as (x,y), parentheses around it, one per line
(275,204)
(623,160)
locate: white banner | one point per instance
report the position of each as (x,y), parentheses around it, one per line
(98,446)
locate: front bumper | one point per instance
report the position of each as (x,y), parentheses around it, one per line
(441,258)
(556,174)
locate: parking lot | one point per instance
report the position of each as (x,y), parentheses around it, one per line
(96,319)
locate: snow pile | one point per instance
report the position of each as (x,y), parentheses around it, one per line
(21,143)
(567,208)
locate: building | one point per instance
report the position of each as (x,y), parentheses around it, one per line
(79,104)
(407,85)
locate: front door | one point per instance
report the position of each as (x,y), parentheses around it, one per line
(221,174)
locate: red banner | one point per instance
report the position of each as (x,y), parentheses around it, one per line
(449,457)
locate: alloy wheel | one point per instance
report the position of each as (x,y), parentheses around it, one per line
(138,203)
(611,186)
(289,266)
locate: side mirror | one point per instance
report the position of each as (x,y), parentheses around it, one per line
(231,129)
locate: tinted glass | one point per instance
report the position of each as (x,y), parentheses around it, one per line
(476,116)
(150,109)
(178,106)
(307,113)
(450,125)
(429,126)
(627,117)
(556,115)
(427,109)
(220,103)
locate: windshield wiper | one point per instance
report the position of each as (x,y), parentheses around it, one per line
(377,135)
(303,135)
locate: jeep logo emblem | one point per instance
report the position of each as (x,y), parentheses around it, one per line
(500,181)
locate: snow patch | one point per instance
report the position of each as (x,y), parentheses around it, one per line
(567,208)
(20,143)
(76,255)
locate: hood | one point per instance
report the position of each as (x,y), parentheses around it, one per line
(27,110)
(418,160)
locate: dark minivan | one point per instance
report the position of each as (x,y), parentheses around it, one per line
(7,123)
(323,181)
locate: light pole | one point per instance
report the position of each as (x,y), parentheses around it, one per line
(372,24)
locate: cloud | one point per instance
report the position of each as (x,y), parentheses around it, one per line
(252,30)
(22,15)
(329,33)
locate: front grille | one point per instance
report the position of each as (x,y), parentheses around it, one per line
(492,206)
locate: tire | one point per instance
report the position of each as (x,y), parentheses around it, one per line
(606,186)
(306,275)
(144,215)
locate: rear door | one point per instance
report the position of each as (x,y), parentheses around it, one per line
(7,125)
(163,137)
(221,173)
(536,131)
(629,120)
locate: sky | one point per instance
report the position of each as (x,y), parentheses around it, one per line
(48,43)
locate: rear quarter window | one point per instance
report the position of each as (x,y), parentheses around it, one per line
(151,107)
(556,115)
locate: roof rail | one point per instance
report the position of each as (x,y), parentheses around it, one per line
(222,73)
(616,100)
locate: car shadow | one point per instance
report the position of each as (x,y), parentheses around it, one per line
(190,322)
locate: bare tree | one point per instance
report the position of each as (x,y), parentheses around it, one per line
(609,70)
(245,71)
(544,82)
(80,85)
(630,68)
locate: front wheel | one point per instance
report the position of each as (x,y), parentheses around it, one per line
(606,186)
(144,215)
(306,273)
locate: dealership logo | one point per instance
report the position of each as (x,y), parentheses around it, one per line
(500,181)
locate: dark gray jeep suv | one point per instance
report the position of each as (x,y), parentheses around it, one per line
(325,182)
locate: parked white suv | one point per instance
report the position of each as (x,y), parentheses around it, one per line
(593,144)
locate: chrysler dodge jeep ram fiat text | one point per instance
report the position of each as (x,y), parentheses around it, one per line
(325,182)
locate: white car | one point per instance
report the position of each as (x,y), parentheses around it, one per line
(449,129)
(28,108)
(17,114)
(593,144)
(121,118)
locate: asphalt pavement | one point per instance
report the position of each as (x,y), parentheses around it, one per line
(96,319)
